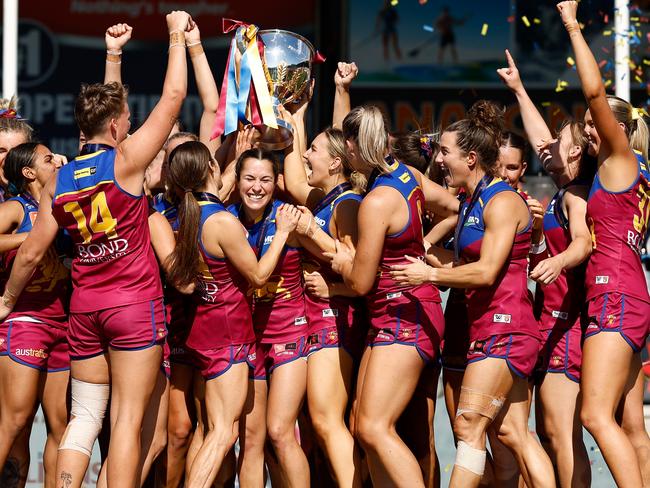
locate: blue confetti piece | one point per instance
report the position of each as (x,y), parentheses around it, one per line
(427,28)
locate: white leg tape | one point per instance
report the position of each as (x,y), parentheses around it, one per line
(469,458)
(89,402)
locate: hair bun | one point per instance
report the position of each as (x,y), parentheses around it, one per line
(487,116)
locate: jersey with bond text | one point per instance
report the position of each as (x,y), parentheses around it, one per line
(505,307)
(618,222)
(114,263)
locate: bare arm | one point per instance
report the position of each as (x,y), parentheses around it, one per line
(162,238)
(207,87)
(442,229)
(613,139)
(9,242)
(11,215)
(116,38)
(137,151)
(579,249)
(536,129)
(345,73)
(436,197)
(31,252)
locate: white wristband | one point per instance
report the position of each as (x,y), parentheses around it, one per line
(538,248)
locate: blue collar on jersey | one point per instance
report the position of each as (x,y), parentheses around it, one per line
(91,148)
(483,184)
(331,196)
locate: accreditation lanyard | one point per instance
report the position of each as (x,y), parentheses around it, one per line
(484,183)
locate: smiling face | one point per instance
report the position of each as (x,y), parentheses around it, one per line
(453,161)
(256,185)
(593,139)
(511,165)
(8,140)
(320,162)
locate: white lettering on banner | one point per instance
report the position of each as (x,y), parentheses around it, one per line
(131,9)
(502,318)
(104,251)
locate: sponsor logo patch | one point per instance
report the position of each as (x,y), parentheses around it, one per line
(85,172)
(34,353)
(602,280)
(390,296)
(556,314)
(502,318)
(300,320)
(330,312)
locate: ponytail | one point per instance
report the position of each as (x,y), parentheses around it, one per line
(365,125)
(635,125)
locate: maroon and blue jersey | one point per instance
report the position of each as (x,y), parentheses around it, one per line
(46,295)
(167,209)
(563,300)
(223,316)
(279,306)
(387,293)
(336,310)
(505,307)
(618,222)
(114,264)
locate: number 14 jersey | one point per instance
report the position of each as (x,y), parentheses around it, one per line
(113,264)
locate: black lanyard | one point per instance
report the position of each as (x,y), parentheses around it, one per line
(203,196)
(266,219)
(92,148)
(331,196)
(485,181)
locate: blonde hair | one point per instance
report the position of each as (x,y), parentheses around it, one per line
(336,149)
(14,124)
(635,125)
(365,125)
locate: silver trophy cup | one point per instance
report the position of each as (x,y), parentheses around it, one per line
(287,65)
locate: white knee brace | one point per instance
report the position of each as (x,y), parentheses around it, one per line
(89,402)
(469,458)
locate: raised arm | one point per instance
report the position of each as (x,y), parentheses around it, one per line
(345,73)
(31,251)
(116,38)
(295,176)
(613,139)
(536,129)
(232,239)
(137,151)
(206,85)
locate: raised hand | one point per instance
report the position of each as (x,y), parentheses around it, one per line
(117,36)
(510,75)
(306,224)
(568,11)
(179,20)
(345,73)
(193,36)
(537,213)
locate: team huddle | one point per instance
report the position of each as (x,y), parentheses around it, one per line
(211,310)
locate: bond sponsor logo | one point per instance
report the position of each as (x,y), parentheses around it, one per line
(85,172)
(634,241)
(105,251)
(556,314)
(391,296)
(502,318)
(208,291)
(268,239)
(300,320)
(331,312)
(472,220)
(602,280)
(321,223)
(33,353)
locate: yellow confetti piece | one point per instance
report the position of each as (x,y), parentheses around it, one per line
(525,20)
(537,21)
(646,61)
(546,104)
(394,2)
(581,25)
(484,30)
(447,468)
(607,83)
(570,61)
(634,19)
(607,32)
(631,63)
(638,79)
(561,85)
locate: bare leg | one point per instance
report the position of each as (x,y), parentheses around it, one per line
(329,377)
(391,376)
(53,397)
(253,436)
(286,394)
(225,397)
(632,419)
(71,465)
(558,397)
(603,383)
(154,427)
(201,422)
(133,378)
(180,424)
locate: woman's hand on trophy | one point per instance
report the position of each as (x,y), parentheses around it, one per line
(299,108)
(345,73)
(179,20)
(247,138)
(117,36)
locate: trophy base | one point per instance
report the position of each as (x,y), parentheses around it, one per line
(277,139)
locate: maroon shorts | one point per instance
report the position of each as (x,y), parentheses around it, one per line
(4,328)
(347,338)
(264,358)
(129,328)
(615,312)
(519,350)
(417,324)
(456,341)
(212,363)
(38,345)
(561,352)
(165,367)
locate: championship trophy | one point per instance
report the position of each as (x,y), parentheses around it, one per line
(265,69)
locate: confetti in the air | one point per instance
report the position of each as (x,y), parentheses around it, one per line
(484,30)
(525,20)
